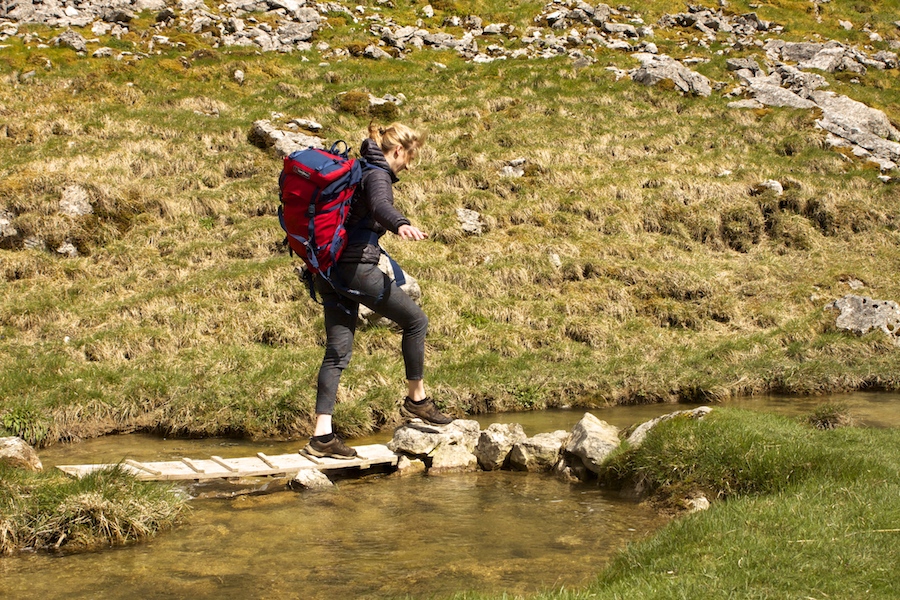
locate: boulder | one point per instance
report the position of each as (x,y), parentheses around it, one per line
(593,440)
(409,466)
(373,51)
(538,453)
(15,452)
(620,29)
(861,314)
(74,202)
(826,59)
(738,64)
(470,221)
(452,459)
(151,5)
(311,479)
(640,433)
(70,39)
(418,438)
(470,431)
(571,469)
(265,135)
(799,51)
(657,68)
(495,443)
(696,504)
(769,185)
(67,249)
(8,232)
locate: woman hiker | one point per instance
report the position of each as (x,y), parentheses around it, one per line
(390,150)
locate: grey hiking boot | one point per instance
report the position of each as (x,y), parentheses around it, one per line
(336,448)
(425,410)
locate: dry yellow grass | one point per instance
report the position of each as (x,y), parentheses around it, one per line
(674,279)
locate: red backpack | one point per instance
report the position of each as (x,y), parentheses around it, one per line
(317,187)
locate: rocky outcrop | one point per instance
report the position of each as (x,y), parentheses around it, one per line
(15,452)
(655,69)
(867,131)
(860,314)
(712,23)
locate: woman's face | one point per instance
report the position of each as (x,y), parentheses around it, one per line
(399,158)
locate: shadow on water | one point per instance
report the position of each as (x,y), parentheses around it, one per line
(376,537)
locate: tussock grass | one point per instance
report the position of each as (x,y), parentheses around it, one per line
(49,511)
(674,279)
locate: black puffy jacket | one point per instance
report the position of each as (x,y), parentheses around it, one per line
(373,206)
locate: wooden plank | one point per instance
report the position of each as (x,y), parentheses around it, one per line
(216,467)
(313,459)
(191,464)
(266,460)
(135,464)
(221,462)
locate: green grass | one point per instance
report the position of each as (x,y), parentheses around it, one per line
(182,314)
(50,511)
(797,512)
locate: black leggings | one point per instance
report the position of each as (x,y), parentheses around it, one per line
(340,325)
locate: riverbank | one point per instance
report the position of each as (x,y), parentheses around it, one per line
(797,512)
(793,509)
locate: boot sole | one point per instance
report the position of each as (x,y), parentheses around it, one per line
(316,454)
(410,416)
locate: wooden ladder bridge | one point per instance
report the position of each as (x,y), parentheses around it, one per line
(261,465)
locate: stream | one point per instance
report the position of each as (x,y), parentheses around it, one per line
(377,536)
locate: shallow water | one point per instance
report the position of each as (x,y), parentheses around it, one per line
(377,537)
(372,538)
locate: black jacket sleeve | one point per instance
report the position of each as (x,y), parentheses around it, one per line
(378,195)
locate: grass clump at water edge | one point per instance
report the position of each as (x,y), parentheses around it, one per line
(50,511)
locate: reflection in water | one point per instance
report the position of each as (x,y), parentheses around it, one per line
(378,537)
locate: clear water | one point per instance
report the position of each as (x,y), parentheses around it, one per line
(377,537)
(373,538)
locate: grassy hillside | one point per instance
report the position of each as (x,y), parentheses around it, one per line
(675,278)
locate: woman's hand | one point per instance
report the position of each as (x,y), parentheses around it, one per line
(408,232)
